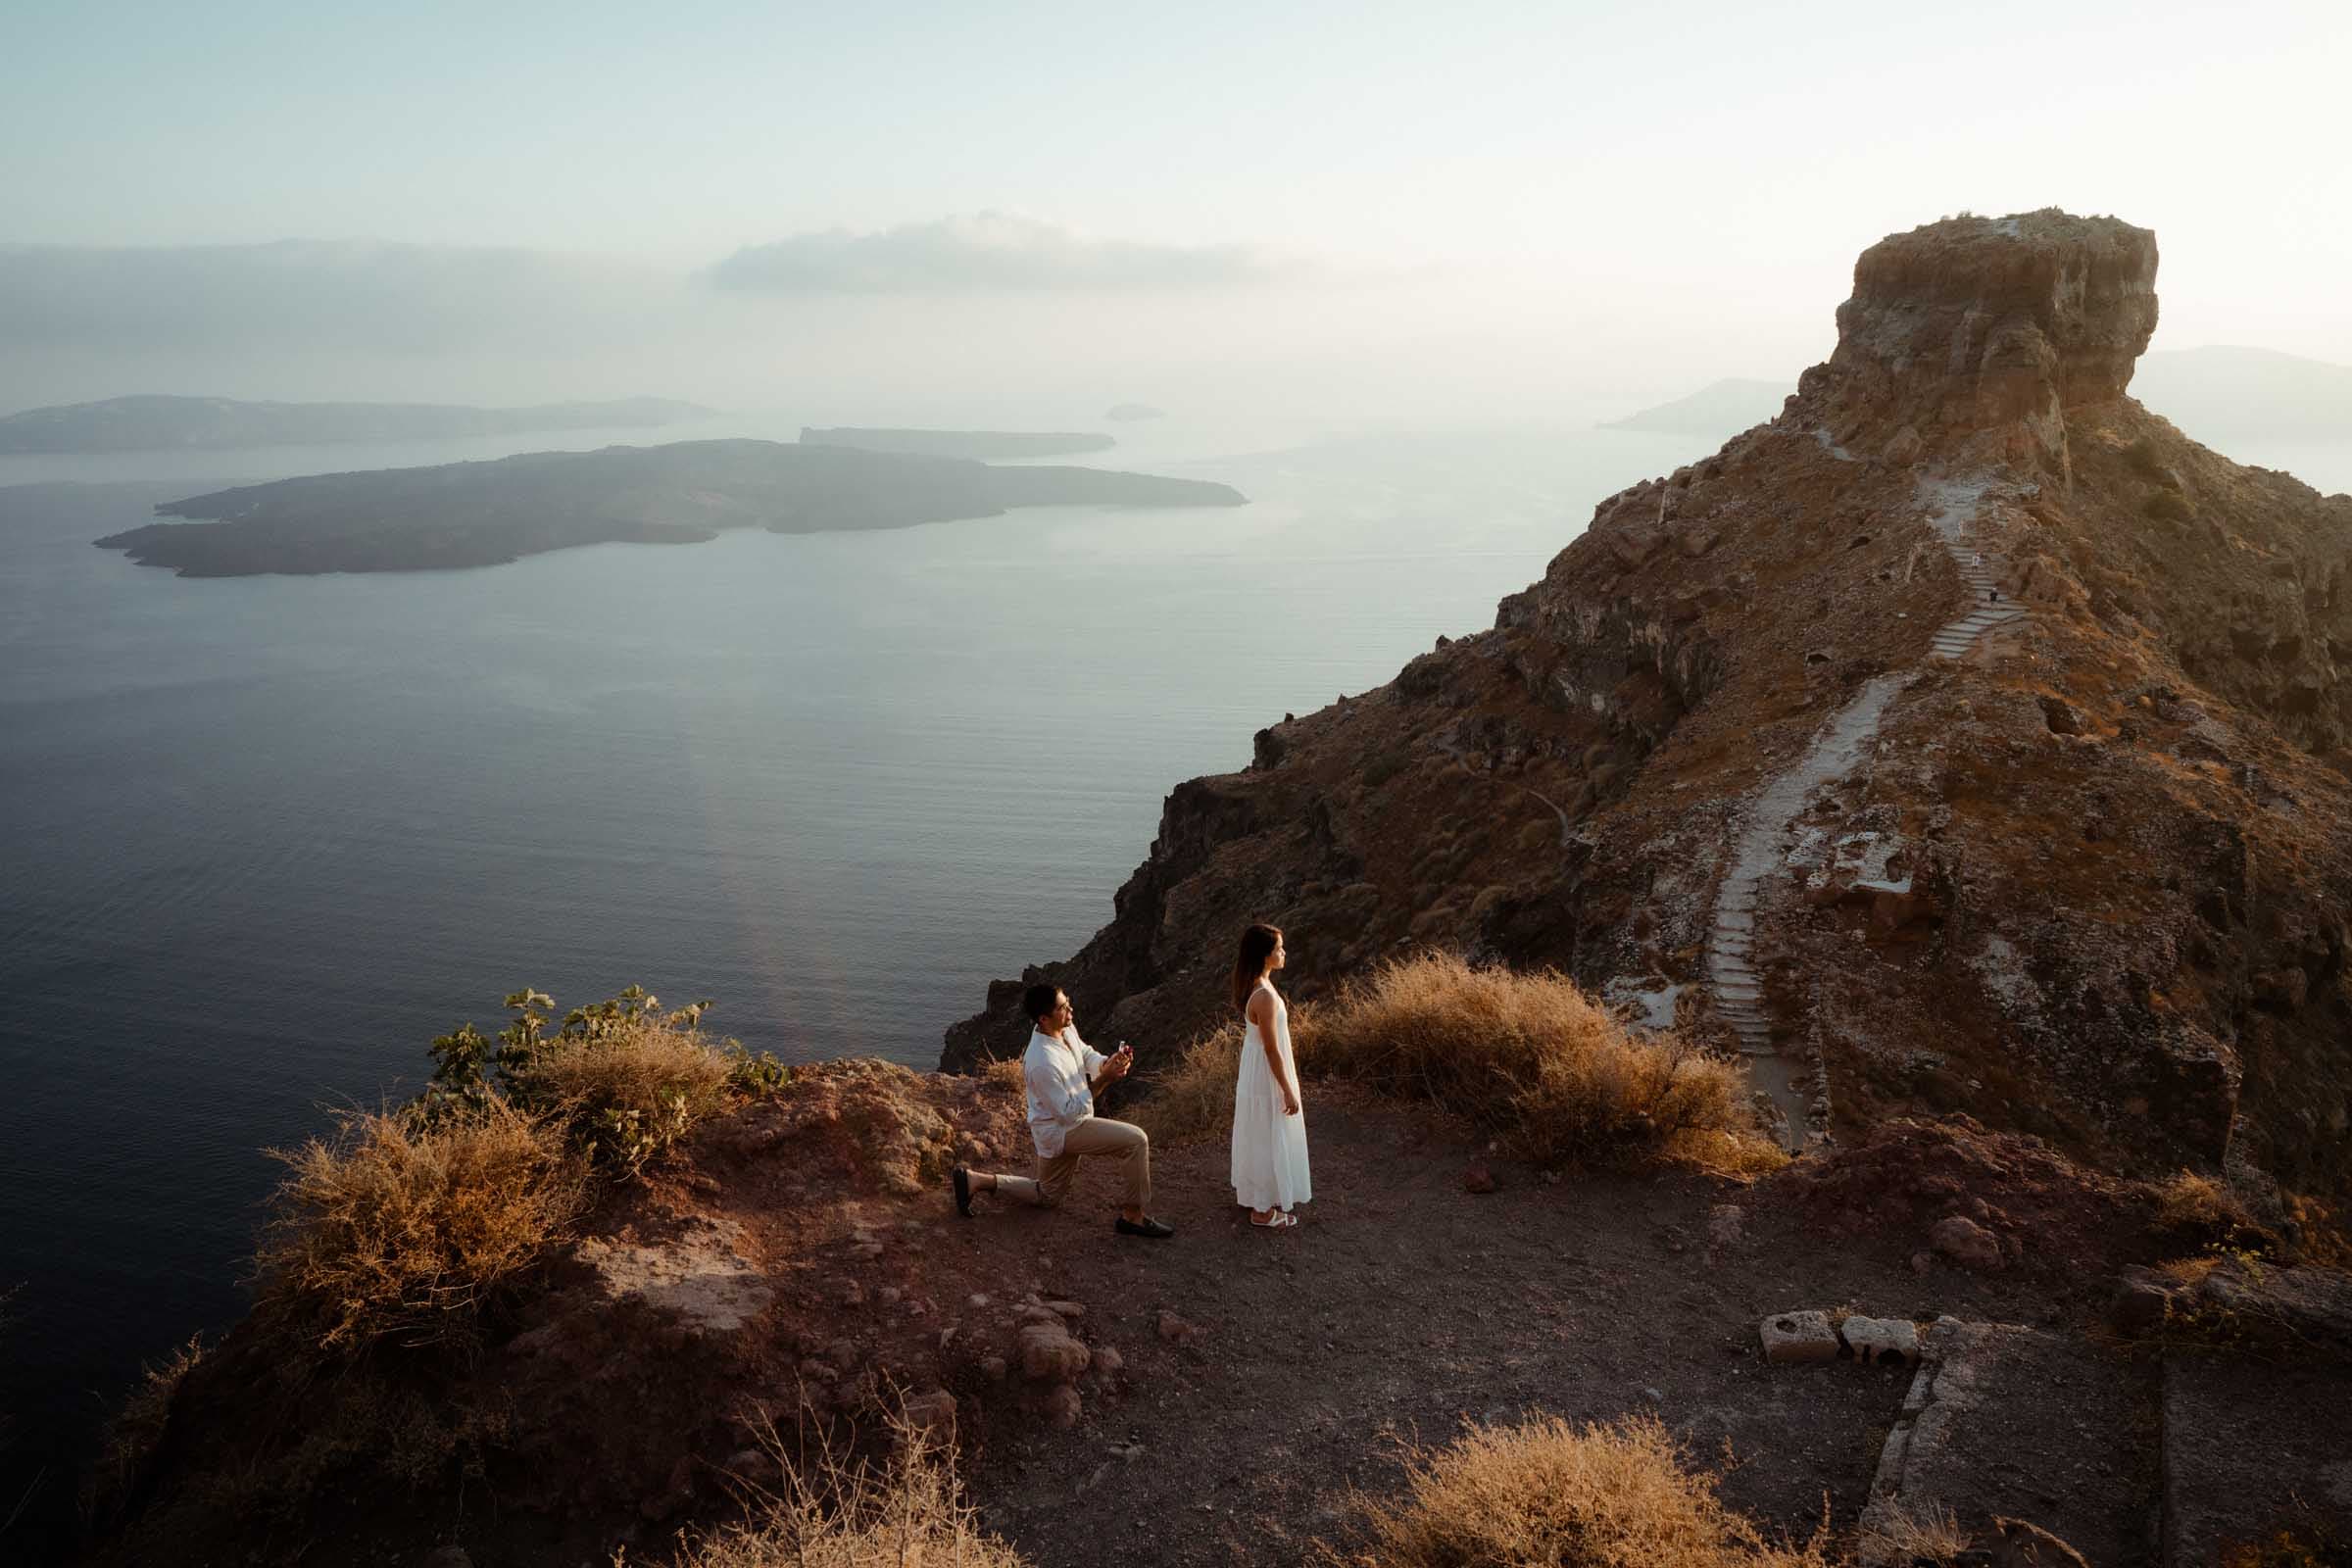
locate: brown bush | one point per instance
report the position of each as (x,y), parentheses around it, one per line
(1194,1098)
(1528,1058)
(836,1513)
(402,1231)
(132,1436)
(1549,1494)
(629,1089)
(2201,1205)
(1931,1538)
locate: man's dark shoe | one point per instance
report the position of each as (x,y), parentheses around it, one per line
(1158,1230)
(963,1192)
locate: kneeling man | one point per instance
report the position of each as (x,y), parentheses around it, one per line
(1062,1074)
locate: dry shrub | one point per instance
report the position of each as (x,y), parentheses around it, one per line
(629,1090)
(2193,1202)
(837,1512)
(1004,1073)
(1194,1098)
(1549,1494)
(1527,1056)
(1932,1540)
(132,1436)
(396,1229)
(2326,1241)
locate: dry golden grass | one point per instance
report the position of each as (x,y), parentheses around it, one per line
(906,1512)
(131,1437)
(1004,1073)
(1194,1098)
(392,1230)
(659,1076)
(1528,1058)
(2193,1202)
(1933,1538)
(1549,1494)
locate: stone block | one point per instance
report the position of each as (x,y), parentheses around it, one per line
(1881,1342)
(1795,1338)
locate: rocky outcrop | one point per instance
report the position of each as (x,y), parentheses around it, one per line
(2085,878)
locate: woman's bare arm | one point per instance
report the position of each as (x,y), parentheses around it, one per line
(1261,1013)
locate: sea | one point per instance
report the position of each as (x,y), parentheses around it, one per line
(266,837)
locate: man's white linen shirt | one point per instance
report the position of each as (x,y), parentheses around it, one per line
(1060,1078)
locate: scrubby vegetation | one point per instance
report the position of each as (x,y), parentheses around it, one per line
(1549,1494)
(832,1512)
(130,1437)
(1527,1057)
(403,1228)
(406,1224)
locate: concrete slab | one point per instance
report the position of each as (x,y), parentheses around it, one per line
(2253,1448)
(2024,1424)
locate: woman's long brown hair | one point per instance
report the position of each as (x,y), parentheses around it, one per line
(1250,965)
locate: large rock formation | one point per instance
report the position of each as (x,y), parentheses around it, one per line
(1758,754)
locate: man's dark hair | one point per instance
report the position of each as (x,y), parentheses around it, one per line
(1039,1000)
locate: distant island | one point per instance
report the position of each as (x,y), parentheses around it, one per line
(152,422)
(1723,409)
(686,492)
(981,444)
(1124,412)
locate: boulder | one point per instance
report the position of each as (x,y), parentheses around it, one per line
(2141,1302)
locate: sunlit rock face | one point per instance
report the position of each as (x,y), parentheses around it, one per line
(2088,876)
(1977,325)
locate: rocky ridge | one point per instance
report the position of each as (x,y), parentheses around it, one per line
(2082,872)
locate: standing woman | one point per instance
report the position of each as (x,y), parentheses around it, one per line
(1269,1130)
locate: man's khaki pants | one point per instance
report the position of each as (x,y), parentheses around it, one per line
(1120,1141)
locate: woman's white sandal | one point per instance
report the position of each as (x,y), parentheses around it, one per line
(1279,1219)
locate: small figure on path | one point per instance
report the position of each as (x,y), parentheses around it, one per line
(1062,1074)
(1269,1126)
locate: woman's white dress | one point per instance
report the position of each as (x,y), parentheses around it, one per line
(1269,1148)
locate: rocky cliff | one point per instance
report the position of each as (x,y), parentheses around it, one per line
(1966,737)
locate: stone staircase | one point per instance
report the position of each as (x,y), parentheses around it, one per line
(1980,570)
(1732,979)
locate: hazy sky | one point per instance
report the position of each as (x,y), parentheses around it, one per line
(1501,205)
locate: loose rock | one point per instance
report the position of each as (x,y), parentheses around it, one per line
(1965,1243)
(1048,1355)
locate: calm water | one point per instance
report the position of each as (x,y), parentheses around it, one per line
(266,836)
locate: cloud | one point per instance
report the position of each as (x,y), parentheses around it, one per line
(987,253)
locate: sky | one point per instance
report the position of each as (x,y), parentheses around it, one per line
(1379,208)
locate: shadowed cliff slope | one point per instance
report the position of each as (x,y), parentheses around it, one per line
(2083,873)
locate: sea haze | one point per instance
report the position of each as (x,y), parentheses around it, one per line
(266,836)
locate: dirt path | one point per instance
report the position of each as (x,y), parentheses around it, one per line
(1405,1306)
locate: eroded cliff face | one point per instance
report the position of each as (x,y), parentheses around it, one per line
(2085,874)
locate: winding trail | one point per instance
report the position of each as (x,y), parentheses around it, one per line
(1846,742)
